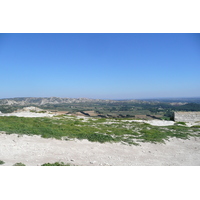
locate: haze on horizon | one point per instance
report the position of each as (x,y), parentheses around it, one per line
(100,66)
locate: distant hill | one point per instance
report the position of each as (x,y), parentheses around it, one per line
(26,101)
(157,108)
(176,100)
(39,101)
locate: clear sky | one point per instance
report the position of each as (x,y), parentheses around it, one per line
(105,66)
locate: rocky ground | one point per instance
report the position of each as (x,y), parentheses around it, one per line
(34,151)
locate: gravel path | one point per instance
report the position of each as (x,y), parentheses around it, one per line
(34,150)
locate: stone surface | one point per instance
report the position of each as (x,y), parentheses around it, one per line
(35,151)
(186,116)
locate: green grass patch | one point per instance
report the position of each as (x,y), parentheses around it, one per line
(154,135)
(196,126)
(59,115)
(56,164)
(99,130)
(159,135)
(180,123)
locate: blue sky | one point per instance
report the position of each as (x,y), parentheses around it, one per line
(105,66)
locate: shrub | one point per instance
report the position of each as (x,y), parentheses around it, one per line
(19,164)
(42,111)
(1,162)
(56,164)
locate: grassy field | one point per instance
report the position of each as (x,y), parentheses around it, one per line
(95,130)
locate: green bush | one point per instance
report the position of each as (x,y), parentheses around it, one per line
(19,164)
(56,164)
(1,162)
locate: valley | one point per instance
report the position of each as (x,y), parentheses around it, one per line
(97,132)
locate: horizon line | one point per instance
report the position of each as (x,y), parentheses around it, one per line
(146,98)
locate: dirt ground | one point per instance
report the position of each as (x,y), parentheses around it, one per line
(35,151)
